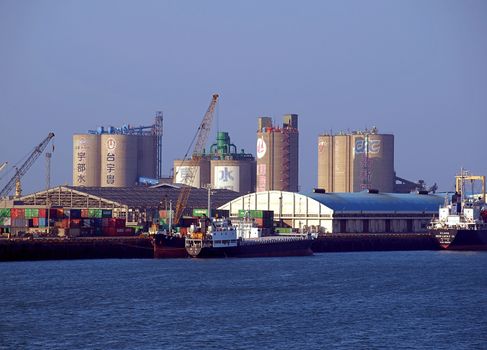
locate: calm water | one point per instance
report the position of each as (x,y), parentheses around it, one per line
(370,300)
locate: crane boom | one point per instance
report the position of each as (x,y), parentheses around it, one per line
(3,166)
(26,166)
(189,176)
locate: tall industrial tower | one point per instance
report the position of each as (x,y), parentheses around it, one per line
(277,154)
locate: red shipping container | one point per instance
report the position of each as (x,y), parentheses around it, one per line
(17,213)
(64,223)
(42,213)
(35,222)
(85,213)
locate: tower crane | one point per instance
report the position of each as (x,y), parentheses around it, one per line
(19,172)
(188,178)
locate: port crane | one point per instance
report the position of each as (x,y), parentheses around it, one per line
(465,175)
(19,172)
(190,172)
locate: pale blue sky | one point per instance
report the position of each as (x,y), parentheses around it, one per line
(417,69)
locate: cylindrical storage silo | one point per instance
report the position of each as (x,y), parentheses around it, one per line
(118,160)
(381,159)
(86,160)
(201,176)
(325,162)
(233,175)
(147,156)
(342,167)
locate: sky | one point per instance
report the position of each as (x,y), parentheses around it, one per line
(416,69)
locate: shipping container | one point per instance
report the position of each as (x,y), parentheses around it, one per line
(106,213)
(20,222)
(74,223)
(4,213)
(86,232)
(42,213)
(75,213)
(17,213)
(94,213)
(86,223)
(164,214)
(31,213)
(42,222)
(85,213)
(256,213)
(97,231)
(105,222)
(5,221)
(35,222)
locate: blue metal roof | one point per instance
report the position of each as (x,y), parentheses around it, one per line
(379,202)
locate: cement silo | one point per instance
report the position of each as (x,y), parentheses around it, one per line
(230,169)
(86,160)
(325,161)
(233,175)
(381,161)
(201,176)
(277,155)
(356,161)
(147,156)
(118,160)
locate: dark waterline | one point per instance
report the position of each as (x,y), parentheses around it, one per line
(375,300)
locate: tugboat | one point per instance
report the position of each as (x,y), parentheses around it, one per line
(462,222)
(218,238)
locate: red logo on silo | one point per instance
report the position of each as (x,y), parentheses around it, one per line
(111,143)
(261,148)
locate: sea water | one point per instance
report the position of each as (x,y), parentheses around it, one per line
(368,300)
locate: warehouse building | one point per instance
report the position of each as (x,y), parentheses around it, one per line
(360,212)
(137,206)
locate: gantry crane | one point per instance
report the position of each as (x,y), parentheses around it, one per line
(189,176)
(465,175)
(19,172)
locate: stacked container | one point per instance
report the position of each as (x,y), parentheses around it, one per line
(262,218)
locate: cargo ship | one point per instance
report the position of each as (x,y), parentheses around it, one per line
(461,224)
(169,245)
(218,238)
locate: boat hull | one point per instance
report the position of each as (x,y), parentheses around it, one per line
(457,239)
(169,247)
(254,249)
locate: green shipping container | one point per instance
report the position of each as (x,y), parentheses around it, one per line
(5,213)
(31,213)
(94,213)
(252,213)
(200,212)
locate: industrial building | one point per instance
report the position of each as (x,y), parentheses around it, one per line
(352,162)
(277,154)
(223,167)
(118,157)
(361,212)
